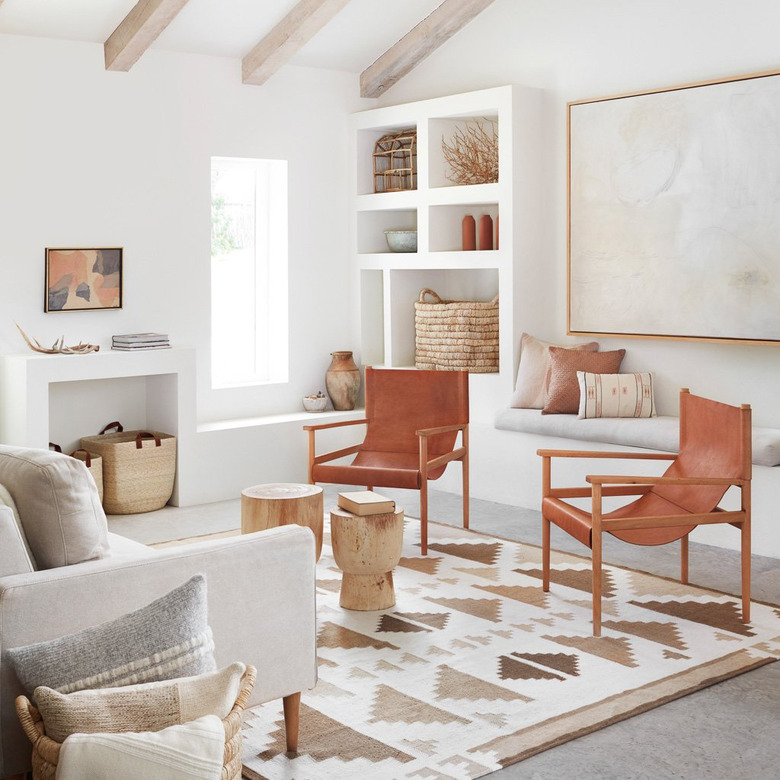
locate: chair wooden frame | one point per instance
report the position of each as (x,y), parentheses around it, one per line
(602,486)
(460,453)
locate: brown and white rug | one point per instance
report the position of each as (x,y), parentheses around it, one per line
(475,668)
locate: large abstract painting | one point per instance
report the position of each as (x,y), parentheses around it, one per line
(674,212)
(83,279)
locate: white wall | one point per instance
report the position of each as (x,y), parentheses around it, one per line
(575,50)
(91,158)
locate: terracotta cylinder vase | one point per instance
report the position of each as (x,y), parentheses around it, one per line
(342,381)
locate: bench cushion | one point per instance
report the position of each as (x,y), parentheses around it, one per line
(653,433)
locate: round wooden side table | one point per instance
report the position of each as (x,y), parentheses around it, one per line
(367,548)
(283,503)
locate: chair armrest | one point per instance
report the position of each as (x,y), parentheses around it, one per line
(612,479)
(261,599)
(440,429)
(341,424)
(597,454)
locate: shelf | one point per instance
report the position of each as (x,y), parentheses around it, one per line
(416,261)
(381,201)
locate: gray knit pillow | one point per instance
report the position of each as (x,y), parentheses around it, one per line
(166,639)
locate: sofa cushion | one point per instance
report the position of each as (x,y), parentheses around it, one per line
(145,707)
(563,391)
(58,505)
(168,638)
(533,371)
(13,553)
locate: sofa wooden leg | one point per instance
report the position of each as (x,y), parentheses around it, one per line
(21,776)
(292,712)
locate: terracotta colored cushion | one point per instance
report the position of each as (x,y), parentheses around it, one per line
(563,391)
(533,371)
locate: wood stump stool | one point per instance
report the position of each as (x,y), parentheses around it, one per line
(283,503)
(367,549)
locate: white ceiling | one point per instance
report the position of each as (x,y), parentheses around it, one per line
(357,36)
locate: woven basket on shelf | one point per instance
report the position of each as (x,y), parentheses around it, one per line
(46,752)
(456,335)
(138,468)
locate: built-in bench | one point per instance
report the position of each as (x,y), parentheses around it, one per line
(653,433)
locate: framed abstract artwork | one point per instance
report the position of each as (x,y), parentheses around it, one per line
(83,279)
(674,212)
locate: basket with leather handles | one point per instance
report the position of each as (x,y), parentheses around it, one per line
(46,751)
(92,461)
(138,468)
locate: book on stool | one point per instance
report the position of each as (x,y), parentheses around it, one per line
(365,502)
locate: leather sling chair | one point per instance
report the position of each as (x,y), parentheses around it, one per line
(715,454)
(412,421)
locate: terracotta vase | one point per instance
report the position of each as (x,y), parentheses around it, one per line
(342,381)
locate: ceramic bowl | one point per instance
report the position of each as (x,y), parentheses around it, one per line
(315,404)
(401,240)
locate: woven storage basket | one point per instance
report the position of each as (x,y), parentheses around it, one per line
(93,462)
(456,335)
(138,468)
(46,752)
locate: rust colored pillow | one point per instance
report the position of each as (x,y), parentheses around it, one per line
(563,392)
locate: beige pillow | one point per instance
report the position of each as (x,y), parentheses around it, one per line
(615,395)
(563,392)
(532,373)
(58,504)
(6,499)
(145,707)
(13,554)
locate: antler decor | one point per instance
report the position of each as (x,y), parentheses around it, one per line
(472,155)
(58,348)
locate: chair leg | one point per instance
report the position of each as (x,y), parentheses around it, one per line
(424,516)
(684,560)
(465,465)
(292,713)
(545,554)
(746,562)
(596,586)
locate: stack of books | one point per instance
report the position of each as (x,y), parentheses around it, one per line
(366,502)
(131,341)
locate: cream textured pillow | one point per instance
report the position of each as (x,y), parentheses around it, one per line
(58,505)
(615,395)
(563,392)
(14,558)
(532,373)
(191,751)
(145,707)
(6,499)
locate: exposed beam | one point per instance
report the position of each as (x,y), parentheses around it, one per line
(417,44)
(297,28)
(138,31)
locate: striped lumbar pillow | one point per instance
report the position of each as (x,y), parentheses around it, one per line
(165,639)
(616,395)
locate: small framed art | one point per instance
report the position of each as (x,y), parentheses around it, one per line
(83,279)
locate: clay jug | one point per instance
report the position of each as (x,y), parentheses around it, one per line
(342,381)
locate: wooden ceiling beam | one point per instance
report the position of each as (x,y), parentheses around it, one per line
(305,20)
(422,40)
(138,31)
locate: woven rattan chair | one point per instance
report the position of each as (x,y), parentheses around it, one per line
(46,751)
(715,454)
(412,423)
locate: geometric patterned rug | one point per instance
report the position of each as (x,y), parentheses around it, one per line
(475,668)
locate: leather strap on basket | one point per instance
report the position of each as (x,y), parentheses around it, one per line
(55,447)
(146,435)
(116,424)
(87,457)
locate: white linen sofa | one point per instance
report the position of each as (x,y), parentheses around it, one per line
(261,586)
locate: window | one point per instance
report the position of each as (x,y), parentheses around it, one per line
(248,271)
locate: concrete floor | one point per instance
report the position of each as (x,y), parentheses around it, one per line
(728,731)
